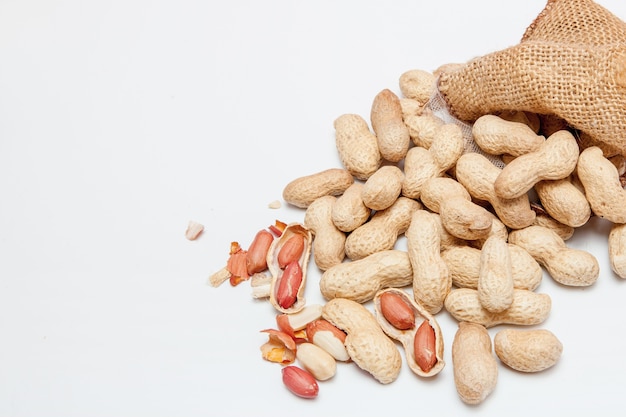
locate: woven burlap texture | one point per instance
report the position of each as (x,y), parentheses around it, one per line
(570,63)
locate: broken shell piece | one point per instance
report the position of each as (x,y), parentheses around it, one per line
(293,322)
(277,273)
(407,337)
(193,230)
(260,284)
(280,347)
(216,279)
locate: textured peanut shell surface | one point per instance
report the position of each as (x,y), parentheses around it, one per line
(368,346)
(528,308)
(475,367)
(528,350)
(360,280)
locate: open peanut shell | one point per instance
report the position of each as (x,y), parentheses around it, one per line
(407,337)
(277,272)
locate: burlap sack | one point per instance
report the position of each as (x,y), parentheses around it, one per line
(571,63)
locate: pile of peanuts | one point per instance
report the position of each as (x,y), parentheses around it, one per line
(479,237)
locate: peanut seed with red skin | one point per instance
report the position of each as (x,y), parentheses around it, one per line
(291,250)
(424,346)
(289,285)
(256,258)
(300,382)
(396,311)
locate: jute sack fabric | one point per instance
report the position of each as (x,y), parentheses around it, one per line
(571,63)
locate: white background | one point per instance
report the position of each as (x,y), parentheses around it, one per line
(120,121)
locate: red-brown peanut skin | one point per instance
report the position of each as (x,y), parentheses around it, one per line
(256,258)
(300,382)
(409,338)
(391,132)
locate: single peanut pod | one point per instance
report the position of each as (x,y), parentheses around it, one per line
(459,215)
(431,278)
(256,258)
(360,280)
(567,266)
(329,241)
(478,175)
(388,126)
(424,354)
(475,367)
(302,191)
(528,308)
(396,311)
(464,266)
(349,210)
(447,146)
(423,128)
(498,136)
(604,191)
(357,146)
(531,350)
(382,230)
(300,382)
(316,360)
(282,292)
(194,229)
(382,188)
(617,249)
(564,202)
(555,159)
(368,346)
(329,337)
(424,345)
(417,84)
(495,276)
